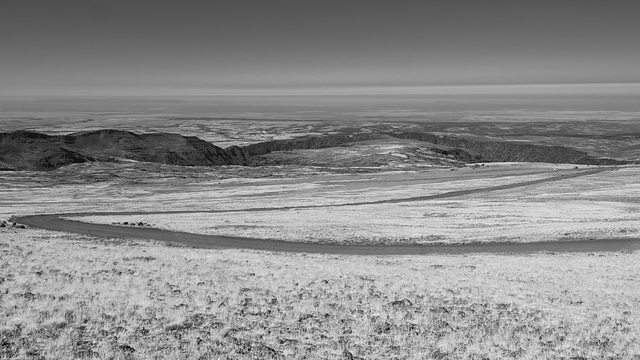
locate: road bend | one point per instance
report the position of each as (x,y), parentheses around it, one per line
(56,222)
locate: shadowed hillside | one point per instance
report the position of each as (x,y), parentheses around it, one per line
(24,150)
(505,151)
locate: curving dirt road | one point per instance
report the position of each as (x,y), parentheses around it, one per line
(54,222)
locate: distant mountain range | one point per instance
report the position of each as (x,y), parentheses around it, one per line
(27,150)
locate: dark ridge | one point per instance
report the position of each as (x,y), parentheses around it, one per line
(23,134)
(620,136)
(464,150)
(307,142)
(215,155)
(103,132)
(506,151)
(26,150)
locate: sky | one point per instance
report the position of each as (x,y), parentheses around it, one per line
(78,46)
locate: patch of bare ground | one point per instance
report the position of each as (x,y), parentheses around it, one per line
(65,296)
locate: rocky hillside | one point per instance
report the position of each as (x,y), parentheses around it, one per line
(25,150)
(455,148)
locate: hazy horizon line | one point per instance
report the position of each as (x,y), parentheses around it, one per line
(586,88)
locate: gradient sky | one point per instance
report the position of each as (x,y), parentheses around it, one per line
(84,45)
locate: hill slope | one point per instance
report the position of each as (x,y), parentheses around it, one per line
(443,149)
(25,150)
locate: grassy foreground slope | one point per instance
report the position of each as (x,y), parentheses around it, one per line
(65,296)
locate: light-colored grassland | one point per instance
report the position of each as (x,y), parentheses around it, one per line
(137,187)
(66,296)
(599,206)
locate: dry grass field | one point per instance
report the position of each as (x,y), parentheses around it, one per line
(599,206)
(64,296)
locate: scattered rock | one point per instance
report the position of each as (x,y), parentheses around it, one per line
(401,303)
(347,355)
(383,328)
(287,341)
(245,302)
(439,310)
(304,317)
(142,258)
(126,348)
(84,353)
(254,350)
(178,327)
(133,223)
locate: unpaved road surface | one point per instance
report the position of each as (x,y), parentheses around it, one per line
(55,223)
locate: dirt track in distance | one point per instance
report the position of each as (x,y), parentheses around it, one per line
(55,223)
